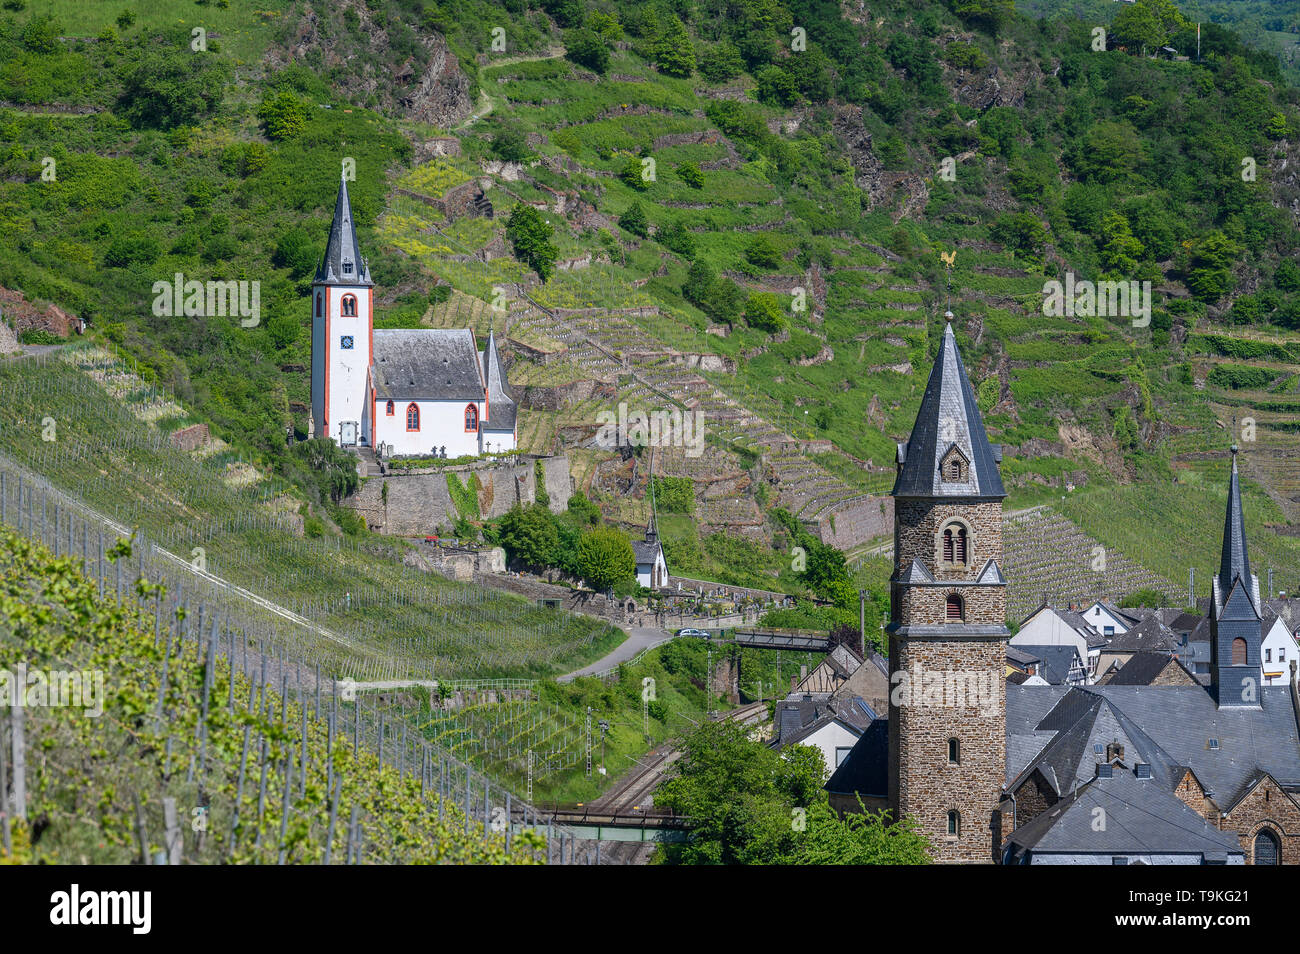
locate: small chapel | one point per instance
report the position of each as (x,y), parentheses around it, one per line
(427,392)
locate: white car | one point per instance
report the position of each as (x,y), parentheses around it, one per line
(701,634)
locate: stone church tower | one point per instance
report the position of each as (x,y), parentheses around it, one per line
(947,634)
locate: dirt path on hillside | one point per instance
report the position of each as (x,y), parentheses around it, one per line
(486,102)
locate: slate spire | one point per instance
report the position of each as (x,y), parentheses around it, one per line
(343,264)
(949,430)
(1234,563)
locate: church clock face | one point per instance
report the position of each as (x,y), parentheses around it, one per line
(346,342)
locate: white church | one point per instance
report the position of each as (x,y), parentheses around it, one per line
(425,392)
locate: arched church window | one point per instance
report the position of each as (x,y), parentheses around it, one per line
(956,612)
(349,306)
(1266,848)
(954,470)
(954,751)
(954,823)
(389,410)
(471,417)
(1239,652)
(954,543)
(320,306)
(412,417)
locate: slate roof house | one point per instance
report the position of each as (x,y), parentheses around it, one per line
(1185,773)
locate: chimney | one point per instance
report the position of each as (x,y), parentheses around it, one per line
(1114,751)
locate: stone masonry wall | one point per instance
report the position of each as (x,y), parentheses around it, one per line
(923,783)
(1267,806)
(420,503)
(856,523)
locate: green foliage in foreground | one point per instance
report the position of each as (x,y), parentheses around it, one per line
(85,774)
(751,805)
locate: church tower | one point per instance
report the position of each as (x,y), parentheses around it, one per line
(947,631)
(342,334)
(1236,627)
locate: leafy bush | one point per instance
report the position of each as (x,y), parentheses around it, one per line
(530,236)
(167,87)
(763,312)
(283,115)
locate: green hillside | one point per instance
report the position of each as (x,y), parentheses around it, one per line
(734,208)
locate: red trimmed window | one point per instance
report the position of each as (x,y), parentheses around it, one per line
(412,417)
(348,307)
(389,410)
(471,418)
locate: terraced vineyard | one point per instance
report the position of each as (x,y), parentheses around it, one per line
(375,616)
(503,737)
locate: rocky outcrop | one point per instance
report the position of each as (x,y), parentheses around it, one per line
(428,87)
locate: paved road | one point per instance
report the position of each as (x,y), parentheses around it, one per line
(639,638)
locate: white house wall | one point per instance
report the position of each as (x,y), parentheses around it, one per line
(1045,628)
(828,738)
(1277,651)
(442,423)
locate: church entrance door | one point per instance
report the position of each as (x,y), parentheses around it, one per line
(348,433)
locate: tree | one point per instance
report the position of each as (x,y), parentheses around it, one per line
(530,235)
(719,62)
(1146,23)
(529,535)
(775,87)
(1120,251)
(283,115)
(752,805)
(990,15)
(672,51)
(1209,265)
(166,88)
(633,174)
(763,312)
(699,281)
(1147,597)
(859,838)
(587,49)
(605,558)
(510,144)
(634,220)
(762,251)
(678,238)
(1023,232)
(297,252)
(826,565)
